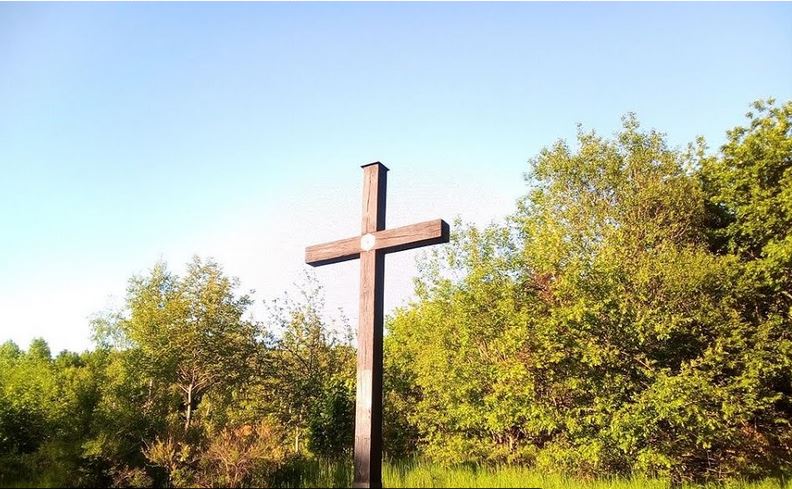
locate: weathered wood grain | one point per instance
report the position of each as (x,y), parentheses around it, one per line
(368,398)
(412,236)
(375,185)
(333,252)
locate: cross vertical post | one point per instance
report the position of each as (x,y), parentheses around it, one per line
(368,398)
(371,247)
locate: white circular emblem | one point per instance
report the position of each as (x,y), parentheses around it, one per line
(367,242)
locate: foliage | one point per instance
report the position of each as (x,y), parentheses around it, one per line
(189,332)
(235,457)
(332,424)
(311,385)
(597,331)
(238,454)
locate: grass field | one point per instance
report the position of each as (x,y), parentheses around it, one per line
(424,474)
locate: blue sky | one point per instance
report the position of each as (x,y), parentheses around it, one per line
(134,132)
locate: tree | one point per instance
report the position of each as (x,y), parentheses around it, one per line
(459,344)
(312,373)
(46,413)
(28,396)
(596,331)
(331,423)
(749,194)
(190,332)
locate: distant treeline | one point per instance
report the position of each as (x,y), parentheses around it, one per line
(632,316)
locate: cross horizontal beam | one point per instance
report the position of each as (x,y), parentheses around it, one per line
(388,241)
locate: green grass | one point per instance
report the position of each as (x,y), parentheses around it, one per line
(419,473)
(425,474)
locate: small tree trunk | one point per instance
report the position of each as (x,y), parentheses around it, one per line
(189,408)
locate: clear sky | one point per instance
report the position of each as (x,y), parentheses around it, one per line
(133,132)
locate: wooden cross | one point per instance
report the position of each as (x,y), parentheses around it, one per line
(371,247)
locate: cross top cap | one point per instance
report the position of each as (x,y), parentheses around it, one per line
(383,167)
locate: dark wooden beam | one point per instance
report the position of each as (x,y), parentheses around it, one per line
(375,185)
(388,240)
(412,236)
(368,398)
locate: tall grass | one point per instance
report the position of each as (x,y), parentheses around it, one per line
(419,474)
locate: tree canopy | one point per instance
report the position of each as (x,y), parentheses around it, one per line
(608,325)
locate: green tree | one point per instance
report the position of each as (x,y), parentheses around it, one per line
(312,374)
(189,332)
(28,396)
(596,331)
(749,193)
(331,424)
(46,414)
